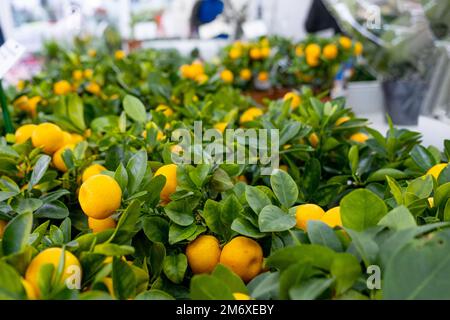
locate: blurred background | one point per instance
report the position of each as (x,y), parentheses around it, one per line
(405,68)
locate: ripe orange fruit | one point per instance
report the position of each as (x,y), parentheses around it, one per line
(203,254)
(359,137)
(255,53)
(197,69)
(99,225)
(295,99)
(170,172)
(265,52)
(244,256)
(313,50)
(235,53)
(88,73)
(226,76)
(313,139)
(100,196)
(47,136)
(93,88)
(50,256)
(241,296)
(245,74)
(436,170)
(186,71)
(62,87)
(58,161)
(341,120)
(333,217)
(75,138)
(166,110)
(92,170)
(24,132)
(77,75)
(202,78)
(29,290)
(119,54)
(250,114)
(359,48)
(221,126)
(330,51)
(306,212)
(263,76)
(299,52)
(312,61)
(345,42)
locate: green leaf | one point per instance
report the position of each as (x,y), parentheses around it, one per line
(129,218)
(124,280)
(121,176)
(422,157)
(233,281)
(395,189)
(22,205)
(382,174)
(364,244)
(246,228)
(179,233)
(174,267)
(318,256)
(294,275)
(420,270)
(397,219)
(273,219)
(311,177)
(112,249)
(52,210)
(153,189)
(310,289)
(284,188)
(221,181)
(256,198)
(199,174)
(444,176)
(156,259)
(17,233)
(353,157)
(346,270)
(136,169)
(206,287)
(321,233)
(362,209)
(441,194)
(211,216)
(179,213)
(11,285)
(265,286)
(134,108)
(154,294)
(421,187)
(231,208)
(39,169)
(156,229)
(4,195)
(76,112)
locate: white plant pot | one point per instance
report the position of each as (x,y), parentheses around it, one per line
(365,97)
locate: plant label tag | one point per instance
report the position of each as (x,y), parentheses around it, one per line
(10,53)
